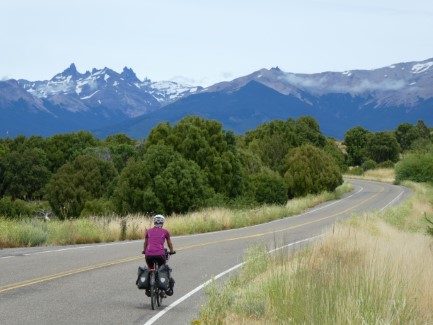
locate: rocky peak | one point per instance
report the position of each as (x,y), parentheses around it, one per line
(129,75)
(69,72)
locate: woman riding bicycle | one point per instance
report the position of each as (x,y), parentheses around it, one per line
(154,245)
(154,242)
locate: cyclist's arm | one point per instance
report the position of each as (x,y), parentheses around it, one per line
(170,245)
(145,244)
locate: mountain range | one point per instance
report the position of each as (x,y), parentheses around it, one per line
(106,102)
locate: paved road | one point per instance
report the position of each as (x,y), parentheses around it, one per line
(95,284)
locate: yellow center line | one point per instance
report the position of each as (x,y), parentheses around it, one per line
(280,230)
(135,258)
(63,274)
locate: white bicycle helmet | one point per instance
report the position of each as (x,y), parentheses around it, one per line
(158,219)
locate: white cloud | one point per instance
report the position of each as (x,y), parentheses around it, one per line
(327,84)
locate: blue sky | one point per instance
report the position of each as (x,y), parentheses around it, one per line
(203,42)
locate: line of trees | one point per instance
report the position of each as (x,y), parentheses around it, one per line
(186,166)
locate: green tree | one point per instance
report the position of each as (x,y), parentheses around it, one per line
(422,145)
(204,142)
(383,146)
(4,149)
(63,148)
(163,181)
(309,131)
(85,178)
(181,187)
(332,147)
(269,188)
(120,138)
(424,131)
(121,148)
(133,193)
(271,141)
(356,140)
(24,174)
(251,163)
(17,143)
(310,170)
(406,134)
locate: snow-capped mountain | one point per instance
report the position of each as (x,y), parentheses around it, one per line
(378,99)
(72,100)
(107,89)
(402,84)
(112,102)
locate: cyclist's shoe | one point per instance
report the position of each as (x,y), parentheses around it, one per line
(162,294)
(148,292)
(169,292)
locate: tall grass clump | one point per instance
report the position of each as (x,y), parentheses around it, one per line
(411,216)
(384,174)
(78,231)
(223,301)
(26,232)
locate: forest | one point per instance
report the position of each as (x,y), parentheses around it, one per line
(195,164)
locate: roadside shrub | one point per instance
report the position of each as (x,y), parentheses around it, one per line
(369,164)
(28,233)
(357,171)
(98,207)
(14,208)
(386,164)
(269,188)
(310,170)
(416,168)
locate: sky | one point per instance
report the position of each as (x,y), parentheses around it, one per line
(201,42)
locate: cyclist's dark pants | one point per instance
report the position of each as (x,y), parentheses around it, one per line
(150,260)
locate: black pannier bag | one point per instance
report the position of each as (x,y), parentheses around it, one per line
(143,278)
(163,278)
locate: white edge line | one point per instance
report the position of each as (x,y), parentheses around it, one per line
(193,235)
(68,249)
(277,220)
(395,199)
(189,294)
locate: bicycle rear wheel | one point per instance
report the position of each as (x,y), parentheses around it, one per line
(158,297)
(153,291)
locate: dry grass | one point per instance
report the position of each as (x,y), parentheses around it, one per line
(386,175)
(35,232)
(370,273)
(371,269)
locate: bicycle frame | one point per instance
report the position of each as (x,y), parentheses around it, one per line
(156,294)
(155,297)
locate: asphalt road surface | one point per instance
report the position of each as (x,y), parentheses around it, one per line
(95,284)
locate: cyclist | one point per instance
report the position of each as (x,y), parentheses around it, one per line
(154,245)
